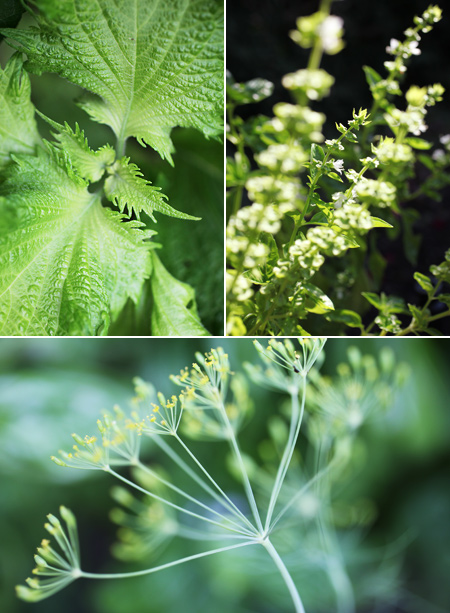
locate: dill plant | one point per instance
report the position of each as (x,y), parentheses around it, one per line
(287,506)
(302,256)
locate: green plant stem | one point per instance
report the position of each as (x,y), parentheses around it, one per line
(294,429)
(186,495)
(245,479)
(155,569)
(225,502)
(120,147)
(321,473)
(312,189)
(211,479)
(411,327)
(238,143)
(316,54)
(174,506)
(286,576)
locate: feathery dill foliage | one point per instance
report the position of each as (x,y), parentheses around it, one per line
(71,257)
(287,505)
(297,255)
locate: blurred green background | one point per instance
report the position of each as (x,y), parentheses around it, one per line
(50,388)
(192,251)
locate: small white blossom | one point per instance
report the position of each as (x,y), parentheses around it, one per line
(393,46)
(338,166)
(339,199)
(414,48)
(438,155)
(330,32)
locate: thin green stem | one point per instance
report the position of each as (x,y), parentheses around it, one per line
(225,502)
(175,506)
(316,54)
(286,576)
(186,495)
(211,479)
(246,481)
(322,473)
(155,569)
(120,147)
(294,429)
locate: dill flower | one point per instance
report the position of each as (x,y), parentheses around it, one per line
(164,418)
(206,384)
(58,569)
(118,444)
(285,365)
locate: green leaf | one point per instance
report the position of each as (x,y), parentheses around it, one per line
(372,76)
(418,143)
(380,223)
(174,312)
(194,254)
(126,188)
(317,153)
(18,131)
(424,282)
(316,301)
(344,316)
(385,304)
(421,317)
(274,255)
(67,264)
(389,323)
(151,65)
(90,164)
(445,298)
(254,90)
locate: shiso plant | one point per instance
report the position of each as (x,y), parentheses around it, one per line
(77,230)
(305,211)
(289,508)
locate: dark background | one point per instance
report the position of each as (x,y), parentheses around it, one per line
(258,45)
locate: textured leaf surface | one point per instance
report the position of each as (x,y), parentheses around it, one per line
(196,185)
(126,187)
(173,312)
(90,164)
(153,64)
(67,265)
(18,131)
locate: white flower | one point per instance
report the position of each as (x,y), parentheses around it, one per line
(338,166)
(330,32)
(438,155)
(339,199)
(393,46)
(414,48)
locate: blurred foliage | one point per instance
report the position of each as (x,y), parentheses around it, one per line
(52,387)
